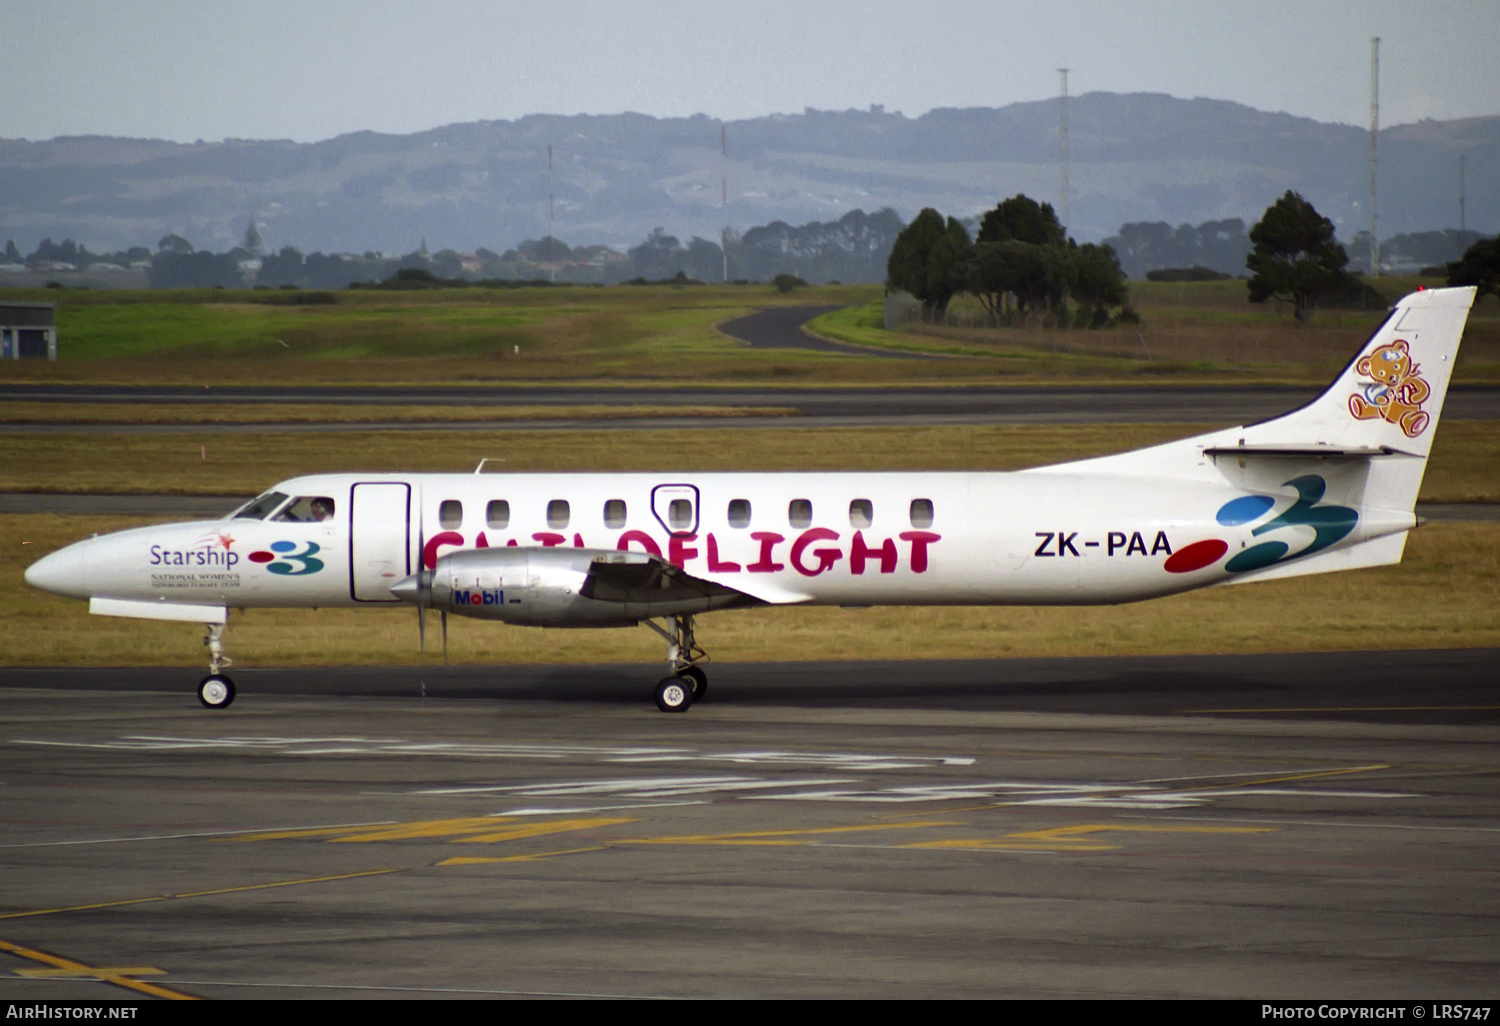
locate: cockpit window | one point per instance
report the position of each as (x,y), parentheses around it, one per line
(307,509)
(259,507)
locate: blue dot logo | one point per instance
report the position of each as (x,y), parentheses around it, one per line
(1243,510)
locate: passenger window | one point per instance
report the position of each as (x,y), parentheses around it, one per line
(800,513)
(680,514)
(307,509)
(497,514)
(614,514)
(739,512)
(451,514)
(558,514)
(861,513)
(921,512)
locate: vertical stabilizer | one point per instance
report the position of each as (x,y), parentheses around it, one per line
(1391,394)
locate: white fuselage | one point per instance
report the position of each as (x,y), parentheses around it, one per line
(1072,534)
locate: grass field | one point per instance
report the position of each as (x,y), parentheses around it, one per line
(23,412)
(1197,332)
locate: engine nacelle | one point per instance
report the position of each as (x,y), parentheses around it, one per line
(563,587)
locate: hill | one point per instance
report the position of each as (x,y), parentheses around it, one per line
(1138,157)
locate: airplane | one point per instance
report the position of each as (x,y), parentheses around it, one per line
(1330,486)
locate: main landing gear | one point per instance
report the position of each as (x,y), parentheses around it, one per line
(687,683)
(216,691)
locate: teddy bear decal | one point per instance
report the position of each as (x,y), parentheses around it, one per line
(1396,391)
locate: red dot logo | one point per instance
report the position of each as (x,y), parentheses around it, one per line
(476,599)
(262,557)
(1196,556)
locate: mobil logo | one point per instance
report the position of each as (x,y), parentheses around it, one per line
(478,598)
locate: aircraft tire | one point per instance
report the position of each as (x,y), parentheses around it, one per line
(674,694)
(698,679)
(216,691)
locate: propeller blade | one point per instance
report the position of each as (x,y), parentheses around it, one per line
(444,613)
(422,628)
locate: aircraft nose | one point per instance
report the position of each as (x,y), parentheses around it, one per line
(61,573)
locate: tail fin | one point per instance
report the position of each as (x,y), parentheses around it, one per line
(1391,394)
(1371,431)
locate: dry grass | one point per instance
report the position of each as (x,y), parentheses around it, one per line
(1446,593)
(23,412)
(1465,465)
(1201,326)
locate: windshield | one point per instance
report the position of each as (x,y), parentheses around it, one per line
(308,509)
(258,507)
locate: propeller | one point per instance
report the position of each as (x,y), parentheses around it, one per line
(417,589)
(443,613)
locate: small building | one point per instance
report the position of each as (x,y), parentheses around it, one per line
(28,331)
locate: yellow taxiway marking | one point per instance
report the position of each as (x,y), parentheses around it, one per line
(67,968)
(474,829)
(87,974)
(1071,838)
(192,894)
(1287,778)
(475,860)
(779,837)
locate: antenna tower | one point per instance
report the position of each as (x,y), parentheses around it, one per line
(1461,225)
(724,197)
(1063,132)
(1374,155)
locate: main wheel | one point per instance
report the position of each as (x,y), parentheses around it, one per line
(697,678)
(674,694)
(216,691)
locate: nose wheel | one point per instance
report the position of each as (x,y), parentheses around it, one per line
(216,691)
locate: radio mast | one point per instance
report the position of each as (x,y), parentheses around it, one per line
(1063,132)
(1374,154)
(724,199)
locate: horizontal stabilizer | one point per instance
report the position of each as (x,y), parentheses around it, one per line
(1303,452)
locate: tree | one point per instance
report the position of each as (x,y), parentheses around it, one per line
(1480,265)
(906,267)
(929,259)
(12,254)
(174,243)
(1022,219)
(946,264)
(252,242)
(659,257)
(281,268)
(1294,256)
(1096,281)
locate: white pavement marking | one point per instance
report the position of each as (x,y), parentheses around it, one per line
(304,746)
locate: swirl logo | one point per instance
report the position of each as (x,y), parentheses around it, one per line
(1329,524)
(284,559)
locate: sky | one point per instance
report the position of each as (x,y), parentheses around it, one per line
(313,69)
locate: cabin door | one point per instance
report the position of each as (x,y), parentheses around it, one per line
(379,539)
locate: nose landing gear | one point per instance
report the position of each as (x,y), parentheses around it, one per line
(216,691)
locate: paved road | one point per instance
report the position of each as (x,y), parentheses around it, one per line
(781,328)
(820,407)
(1315,827)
